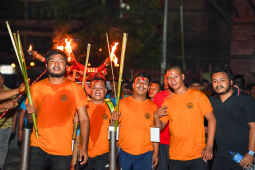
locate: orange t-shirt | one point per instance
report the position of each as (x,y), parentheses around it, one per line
(136,118)
(56,105)
(186,124)
(99,115)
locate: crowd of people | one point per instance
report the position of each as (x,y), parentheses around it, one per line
(200,127)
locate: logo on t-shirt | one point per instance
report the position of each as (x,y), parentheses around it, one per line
(105,116)
(190,105)
(64,97)
(147,116)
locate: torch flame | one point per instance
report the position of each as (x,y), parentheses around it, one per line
(113,57)
(60,48)
(68,46)
(30,48)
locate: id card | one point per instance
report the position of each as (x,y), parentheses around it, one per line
(112,128)
(155,134)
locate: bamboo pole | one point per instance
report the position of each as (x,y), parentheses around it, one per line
(86,64)
(16,42)
(113,79)
(123,50)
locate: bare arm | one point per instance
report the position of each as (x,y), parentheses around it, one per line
(157,115)
(155,154)
(248,159)
(84,126)
(251,136)
(10,104)
(207,152)
(211,128)
(8,93)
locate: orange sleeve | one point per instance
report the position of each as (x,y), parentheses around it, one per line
(80,96)
(204,104)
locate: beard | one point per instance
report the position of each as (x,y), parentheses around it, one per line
(225,92)
(56,75)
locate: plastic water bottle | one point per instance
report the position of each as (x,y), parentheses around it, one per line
(237,157)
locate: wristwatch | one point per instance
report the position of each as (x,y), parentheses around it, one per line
(251,153)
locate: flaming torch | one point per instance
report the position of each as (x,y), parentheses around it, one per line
(36,54)
(110,54)
(16,42)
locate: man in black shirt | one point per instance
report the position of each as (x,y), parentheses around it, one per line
(235,115)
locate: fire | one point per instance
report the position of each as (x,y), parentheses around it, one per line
(30,48)
(68,48)
(60,48)
(113,57)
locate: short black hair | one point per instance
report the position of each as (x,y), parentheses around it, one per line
(193,81)
(175,67)
(55,52)
(98,79)
(238,80)
(205,81)
(224,69)
(157,82)
(144,75)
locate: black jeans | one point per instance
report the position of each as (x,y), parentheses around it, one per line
(100,162)
(225,162)
(194,164)
(40,160)
(163,157)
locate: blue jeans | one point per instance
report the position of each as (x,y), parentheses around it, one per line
(40,160)
(135,162)
(4,143)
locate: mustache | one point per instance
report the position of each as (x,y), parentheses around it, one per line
(219,87)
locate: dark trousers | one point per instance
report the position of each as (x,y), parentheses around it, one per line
(163,157)
(100,162)
(40,160)
(194,164)
(225,162)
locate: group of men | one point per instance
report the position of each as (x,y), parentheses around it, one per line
(180,113)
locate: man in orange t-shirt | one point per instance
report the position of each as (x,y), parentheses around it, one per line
(135,115)
(99,115)
(55,101)
(185,111)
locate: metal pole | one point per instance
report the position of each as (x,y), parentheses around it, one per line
(25,149)
(164,44)
(112,156)
(182,37)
